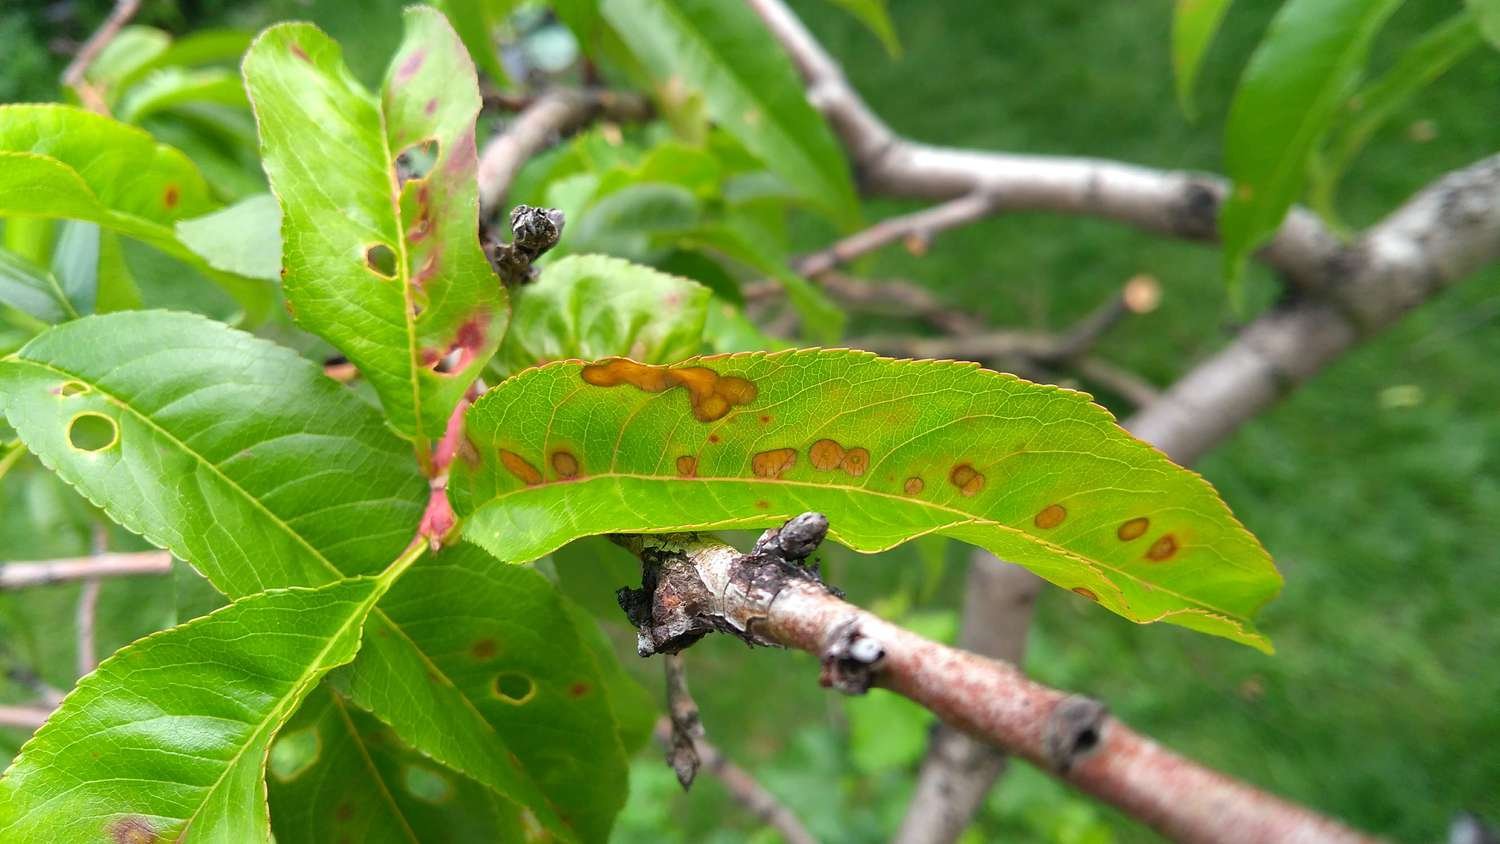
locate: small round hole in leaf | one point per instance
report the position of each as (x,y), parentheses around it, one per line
(426,784)
(72,388)
(514,688)
(92,432)
(293,753)
(381,259)
(416,161)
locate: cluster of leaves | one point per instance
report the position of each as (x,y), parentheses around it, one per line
(1302,112)
(450,696)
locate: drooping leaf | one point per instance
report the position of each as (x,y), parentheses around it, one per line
(1290,91)
(75,264)
(1419,64)
(241,458)
(32,290)
(174,86)
(389,270)
(244,238)
(877,18)
(889,450)
(749,86)
(167,740)
(593,306)
(1487,14)
(503,638)
(1194,25)
(338,773)
(234,453)
(475,21)
(63,162)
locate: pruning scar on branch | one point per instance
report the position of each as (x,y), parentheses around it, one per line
(693,585)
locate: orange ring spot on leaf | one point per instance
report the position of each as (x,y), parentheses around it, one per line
(518,466)
(856,461)
(687,466)
(968,479)
(1162,549)
(826,454)
(1050,516)
(1133,529)
(914,485)
(565,464)
(771,464)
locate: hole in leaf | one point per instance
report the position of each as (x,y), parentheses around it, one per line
(293,753)
(416,161)
(381,259)
(514,688)
(92,432)
(72,388)
(426,784)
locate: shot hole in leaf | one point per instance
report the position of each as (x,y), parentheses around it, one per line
(92,432)
(416,161)
(514,688)
(381,260)
(72,388)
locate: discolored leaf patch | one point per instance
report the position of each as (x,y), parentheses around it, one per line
(889,450)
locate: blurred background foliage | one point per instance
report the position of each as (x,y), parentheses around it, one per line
(1376,487)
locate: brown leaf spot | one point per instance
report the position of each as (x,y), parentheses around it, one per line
(687,466)
(132,829)
(711,394)
(967,479)
(300,53)
(762,504)
(914,485)
(713,438)
(1050,516)
(170,196)
(517,465)
(826,455)
(484,649)
(1133,529)
(344,811)
(856,461)
(565,464)
(771,464)
(1087,593)
(578,689)
(764,418)
(1162,549)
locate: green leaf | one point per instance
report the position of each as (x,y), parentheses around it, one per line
(1419,64)
(1302,70)
(889,450)
(132,49)
(1487,14)
(633,707)
(244,238)
(1194,25)
(63,162)
(475,21)
(393,277)
(174,86)
(338,773)
(242,459)
(75,264)
(167,740)
(593,306)
(877,18)
(750,87)
(503,638)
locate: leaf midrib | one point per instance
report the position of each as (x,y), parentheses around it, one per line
(967,517)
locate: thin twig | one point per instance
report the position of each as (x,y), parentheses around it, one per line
(87,611)
(544,119)
(76,73)
(22,575)
(916,230)
(685,726)
(29,718)
(699,585)
(742,787)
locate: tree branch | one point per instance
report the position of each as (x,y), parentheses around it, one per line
(1183,205)
(28,718)
(742,787)
(693,586)
(553,113)
(891,298)
(916,230)
(74,75)
(21,575)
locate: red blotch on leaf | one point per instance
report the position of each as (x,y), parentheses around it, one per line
(132,829)
(578,689)
(300,53)
(170,197)
(412,64)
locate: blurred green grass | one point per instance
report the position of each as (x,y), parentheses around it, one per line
(1376,487)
